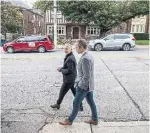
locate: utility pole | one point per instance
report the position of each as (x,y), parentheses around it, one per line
(55,23)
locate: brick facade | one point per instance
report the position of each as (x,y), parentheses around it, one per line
(33,23)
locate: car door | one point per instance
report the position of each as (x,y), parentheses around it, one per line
(20,44)
(109,41)
(32,42)
(119,40)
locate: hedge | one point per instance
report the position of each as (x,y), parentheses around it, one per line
(141,36)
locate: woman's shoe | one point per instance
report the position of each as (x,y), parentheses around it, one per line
(65,123)
(92,122)
(55,106)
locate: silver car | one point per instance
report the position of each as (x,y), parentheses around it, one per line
(121,41)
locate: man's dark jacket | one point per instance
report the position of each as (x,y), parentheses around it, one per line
(69,69)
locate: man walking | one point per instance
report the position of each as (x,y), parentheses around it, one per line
(85,85)
(69,75)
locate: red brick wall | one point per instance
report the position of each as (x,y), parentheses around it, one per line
(29,24)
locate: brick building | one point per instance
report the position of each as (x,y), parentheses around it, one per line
(33,21)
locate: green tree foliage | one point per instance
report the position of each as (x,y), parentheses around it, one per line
(43,5)
(11,18)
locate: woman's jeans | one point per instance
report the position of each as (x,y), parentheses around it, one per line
(80,95)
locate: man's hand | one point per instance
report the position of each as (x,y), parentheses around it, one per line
(59,69)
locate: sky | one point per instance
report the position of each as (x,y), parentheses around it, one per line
(29,2)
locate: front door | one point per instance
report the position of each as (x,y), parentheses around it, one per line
(21,44)
(75,33)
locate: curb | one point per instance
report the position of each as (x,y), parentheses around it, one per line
(103,127)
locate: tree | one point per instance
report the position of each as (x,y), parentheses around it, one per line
(11,18)
(105,14)
(43,5)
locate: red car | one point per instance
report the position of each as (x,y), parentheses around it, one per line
(29,43)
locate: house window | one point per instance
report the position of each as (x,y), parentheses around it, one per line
(93,31)
(137,28)
(34,30)
(61,30)
(50,30)
(133,27)
(142,28)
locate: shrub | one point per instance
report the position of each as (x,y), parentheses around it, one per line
(141,36)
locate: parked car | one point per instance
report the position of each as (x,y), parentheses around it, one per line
(30,43)
(121,41)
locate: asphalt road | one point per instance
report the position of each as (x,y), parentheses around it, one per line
(30,83)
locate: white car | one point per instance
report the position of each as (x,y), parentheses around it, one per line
(121,41)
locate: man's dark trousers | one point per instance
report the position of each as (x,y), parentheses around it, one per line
(64,89)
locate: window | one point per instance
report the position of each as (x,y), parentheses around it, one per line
(133,27)
(22,39)
(143,28)
(34,30)
(34,17)
(51,29)
(110,37)
(43,39)
(58,16)
(137,28)
(32,38)
(61,30)
(93,31)
(121,37)
(39,23)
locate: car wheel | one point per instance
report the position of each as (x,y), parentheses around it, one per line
(10,49)
(98,47)
(126,47)
(41,49)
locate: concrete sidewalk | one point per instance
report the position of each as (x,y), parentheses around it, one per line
(103,127)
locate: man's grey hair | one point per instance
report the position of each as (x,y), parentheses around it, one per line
(82,43)
(68,45)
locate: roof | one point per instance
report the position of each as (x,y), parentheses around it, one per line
(18,3)
(23,5)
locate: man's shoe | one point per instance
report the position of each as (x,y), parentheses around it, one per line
(92,122)
(81,109)
(55,106)
(65,123)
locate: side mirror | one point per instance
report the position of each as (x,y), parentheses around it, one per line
(106,39)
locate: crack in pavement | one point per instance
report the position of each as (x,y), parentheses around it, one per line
(91,128)
(139,59)
(134,103)
(45,123)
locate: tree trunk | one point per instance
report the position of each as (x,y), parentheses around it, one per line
(128,26)
(5,36)
(147,24)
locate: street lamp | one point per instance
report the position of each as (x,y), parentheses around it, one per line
(55,23)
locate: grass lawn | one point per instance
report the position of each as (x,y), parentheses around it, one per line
(142,42)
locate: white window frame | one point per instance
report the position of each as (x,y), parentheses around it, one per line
(141,28)
(34,30)
(133,28)
(137,28)
(97,30)
(59,27)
